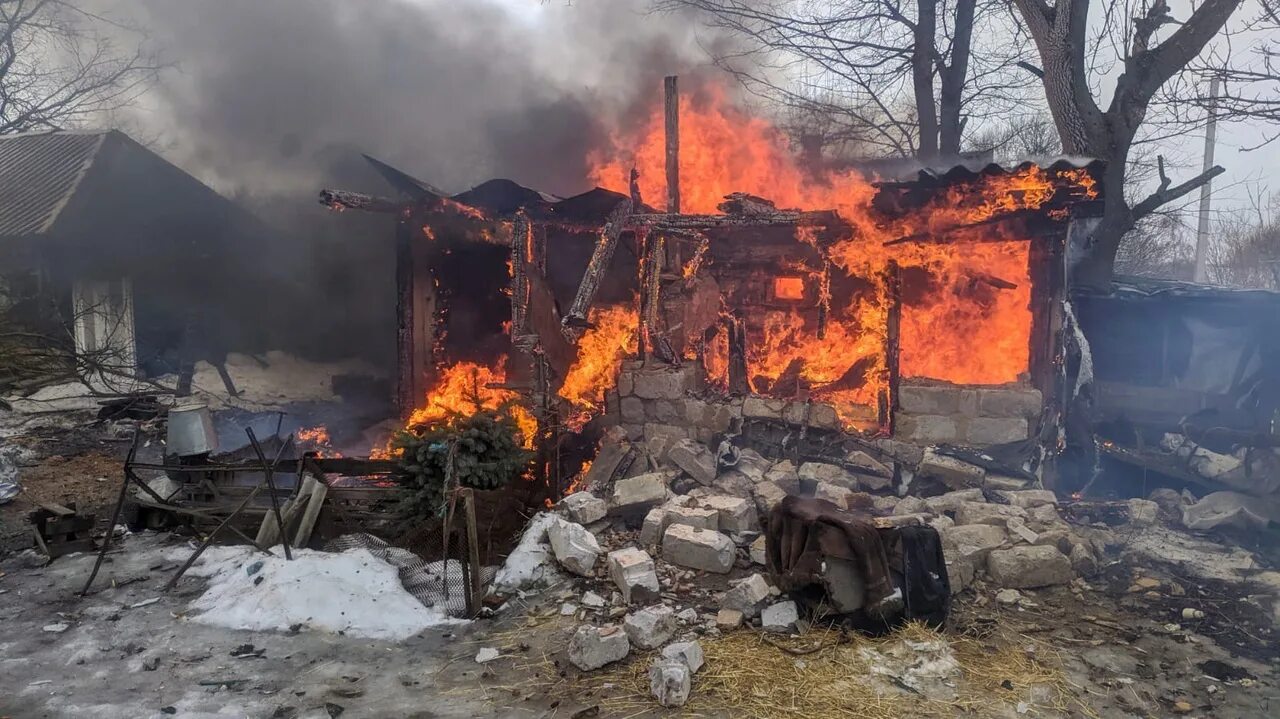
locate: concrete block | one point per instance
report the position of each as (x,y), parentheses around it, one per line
(728,619)
(1030,498)
(983,513)
(665,382)
(767,496)
(633,571)
(973,541)
(928,399)
(1028,567)
(754,407)
(846,587)
(952,472)
(655,522)
(758,552)
(654,429)
(1143,512)
(575,548)
(651,627)
(632,410)
(996,430)
(911,505)
(780,618)
(688,652)
(829,473)
(784,474)
(752,465)
(696,517)
(1024,402)
(665,411)
(593,647)
(927,428)
(736,515)
(695,459)
(639,492)
(960,573)
(584,507)
(734,484)
(834,494)
(698,549)
(951,501)
(670,682)
(748,596)
(625,384)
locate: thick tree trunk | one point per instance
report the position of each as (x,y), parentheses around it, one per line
(922,78)
(951,97)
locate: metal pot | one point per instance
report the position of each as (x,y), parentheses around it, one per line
(191,431)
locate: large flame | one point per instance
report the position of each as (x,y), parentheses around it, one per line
(965,317)
(465,388)
(601,349)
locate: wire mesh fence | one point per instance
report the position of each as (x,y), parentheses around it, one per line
(437,560)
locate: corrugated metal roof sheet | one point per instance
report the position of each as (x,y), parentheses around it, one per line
(39,173)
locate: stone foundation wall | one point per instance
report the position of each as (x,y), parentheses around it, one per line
(658,400)
(937,413)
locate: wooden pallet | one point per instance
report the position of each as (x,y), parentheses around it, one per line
(60,530)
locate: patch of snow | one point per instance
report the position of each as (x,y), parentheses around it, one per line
(352,592)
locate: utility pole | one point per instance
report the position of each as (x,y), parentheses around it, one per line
(1202,230)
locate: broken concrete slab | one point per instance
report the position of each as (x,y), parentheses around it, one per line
(830,473)
(694,459)
(575,548)
(960,572)
(1029,498)
(950,471)
(752,465)
(736,515)
(633,571)
(1028,567)
(783,473)
(639,493)
(911,505)
(757,551)
(748,596)
(983,513)
(763,407)
(698,549)
(1143,512)
(951,501)
(651,627)
(867,464)
(734,484)
(768,495)
(780,617)
(584,507)
(670,682)
(698,517)
(972,541)
(835,494)
(688,652)
(664,382)
(593,647)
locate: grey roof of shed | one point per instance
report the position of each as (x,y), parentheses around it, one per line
(39,174)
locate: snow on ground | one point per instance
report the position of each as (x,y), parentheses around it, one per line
(352,592)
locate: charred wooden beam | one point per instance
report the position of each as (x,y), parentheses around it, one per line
(887,401)
(521,250)
(576,319)
(672,107)
(345,200)
(780,218)
(651,262)
(407,380)
(824,298)
(738,380)
(741,203)
(695,263)
(944,234)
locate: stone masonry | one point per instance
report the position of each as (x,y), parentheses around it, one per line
(945,413)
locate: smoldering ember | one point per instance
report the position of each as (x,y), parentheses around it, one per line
(736,432)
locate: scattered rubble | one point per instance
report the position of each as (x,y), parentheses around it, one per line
(575,548)
(749,596)
(670,682)
(781,617)
(698,549)
(584,507)
(1029,567)
(632,570)
(651,627)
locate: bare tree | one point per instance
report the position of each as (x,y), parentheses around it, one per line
(1245,251)
(905,78)
(60,65)
(1070,55)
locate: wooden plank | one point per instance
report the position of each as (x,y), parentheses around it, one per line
(576,319)
(314,505)
(57,509)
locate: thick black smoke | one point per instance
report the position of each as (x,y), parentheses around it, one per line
(269,95)
(270,100)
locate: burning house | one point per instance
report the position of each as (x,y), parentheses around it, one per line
(712,288)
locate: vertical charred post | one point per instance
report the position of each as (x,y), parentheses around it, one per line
(1047,269)
(651,308)
(406,383)
(521,250)
(887,400)
(739,384)
(672,93)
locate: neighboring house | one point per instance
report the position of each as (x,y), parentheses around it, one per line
(105,242)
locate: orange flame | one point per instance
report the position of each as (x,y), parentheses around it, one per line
(601,349)
(464,388)
(316,439)
(965,309)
